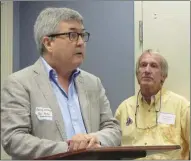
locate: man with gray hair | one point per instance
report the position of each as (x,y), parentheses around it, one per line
(155,115)
(53,106)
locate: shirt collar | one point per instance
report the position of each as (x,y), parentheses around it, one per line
(51,72)
(154,98)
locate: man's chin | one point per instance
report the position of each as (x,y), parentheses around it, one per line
(77,64)
(79,59)
(146,83)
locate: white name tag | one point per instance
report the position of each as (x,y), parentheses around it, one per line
(166,118)
(43,113)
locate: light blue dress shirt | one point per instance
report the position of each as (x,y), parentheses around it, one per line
(69,104)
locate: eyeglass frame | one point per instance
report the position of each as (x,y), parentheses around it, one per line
(69,33)
(137,106)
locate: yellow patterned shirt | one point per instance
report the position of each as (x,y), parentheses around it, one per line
(165,132)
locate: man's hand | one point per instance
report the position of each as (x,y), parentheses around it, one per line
(92,141)
(97,145)
(83,141)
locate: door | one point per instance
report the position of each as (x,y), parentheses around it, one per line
(166,28)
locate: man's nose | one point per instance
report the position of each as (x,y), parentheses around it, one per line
(80,41)
(148,69)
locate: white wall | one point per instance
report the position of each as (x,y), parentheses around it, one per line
(6,46)
(166,27)
(6,39)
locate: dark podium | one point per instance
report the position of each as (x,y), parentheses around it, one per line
(111,153)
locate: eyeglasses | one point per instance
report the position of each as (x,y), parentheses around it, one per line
(137,106)
(73,36)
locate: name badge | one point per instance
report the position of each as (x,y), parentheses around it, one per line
(43,113)
(166,118)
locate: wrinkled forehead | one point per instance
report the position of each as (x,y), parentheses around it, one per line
(150,58)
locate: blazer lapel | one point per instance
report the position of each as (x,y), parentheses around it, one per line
(83,100)
(44,84)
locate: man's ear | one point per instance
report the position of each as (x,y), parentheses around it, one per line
(163,79)
(47,42)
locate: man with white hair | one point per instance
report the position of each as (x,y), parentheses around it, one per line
(53,106)
(155,115)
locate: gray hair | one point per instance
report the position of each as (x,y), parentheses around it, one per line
(48,20)
(163,62)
